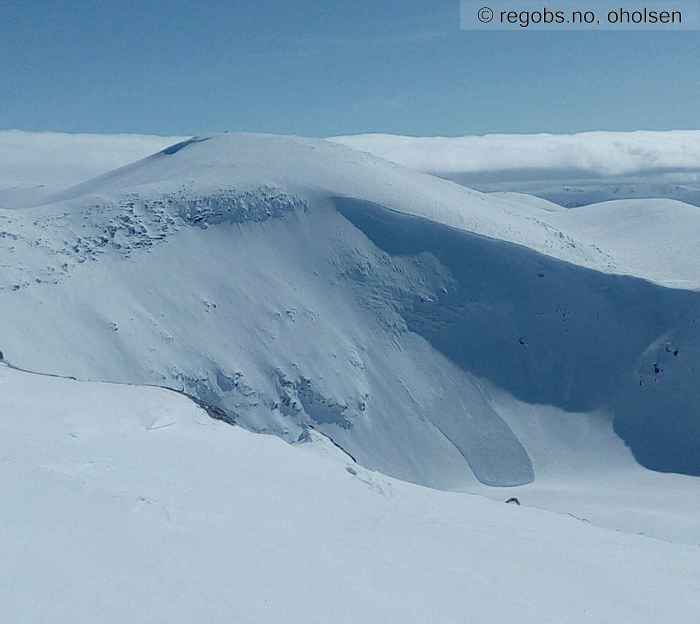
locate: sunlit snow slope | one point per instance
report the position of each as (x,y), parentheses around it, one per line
(127,504)
(300,285)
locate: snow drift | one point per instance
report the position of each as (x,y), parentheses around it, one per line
(299,285)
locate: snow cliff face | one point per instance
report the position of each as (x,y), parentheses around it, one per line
(299,285)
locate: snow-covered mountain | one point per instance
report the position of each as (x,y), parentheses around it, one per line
(434,333)
(386,322)
(127,504)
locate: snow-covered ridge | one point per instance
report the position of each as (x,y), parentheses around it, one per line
(233,164)
(125,225)
(301,285)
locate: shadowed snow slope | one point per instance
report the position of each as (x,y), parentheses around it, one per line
(299,284)
(127,504)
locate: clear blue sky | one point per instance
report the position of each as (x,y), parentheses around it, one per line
(326,67)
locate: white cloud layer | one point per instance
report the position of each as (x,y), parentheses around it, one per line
(588,153)
(54,158)
(58,159)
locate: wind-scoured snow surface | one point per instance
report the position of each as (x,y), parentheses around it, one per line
(434,333)
(571,170)
(127,504)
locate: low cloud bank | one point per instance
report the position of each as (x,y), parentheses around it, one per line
(588,154)
(60,159)
(54,158)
